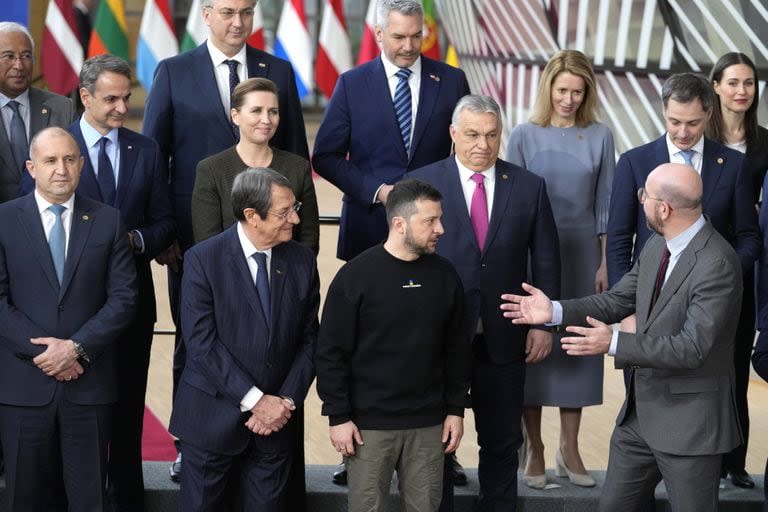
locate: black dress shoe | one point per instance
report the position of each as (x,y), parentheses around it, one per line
(741,478)
(457,471)
(175,469)
(340,476)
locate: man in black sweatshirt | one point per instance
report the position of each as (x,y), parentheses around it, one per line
(394,359)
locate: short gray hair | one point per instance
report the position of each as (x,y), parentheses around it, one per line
(95,66)
(253,189)
(478,104)
(686,87)
(12,26)
(404,7)
(208,4)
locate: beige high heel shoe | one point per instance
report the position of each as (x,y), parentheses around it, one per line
(535,481)
(562,470)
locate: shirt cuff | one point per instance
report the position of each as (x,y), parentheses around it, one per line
(614,343)
(375,199)
(557,314)
(141,247)
(250,399)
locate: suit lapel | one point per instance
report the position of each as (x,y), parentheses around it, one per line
(128,154)
(243,274)
(209,91)
(501,195)
(29,219)
(711,169)
(89,185)
(39,113)
(6,158)
(429,90)
(454,194)
(257,67)
(378,85)
(82,220)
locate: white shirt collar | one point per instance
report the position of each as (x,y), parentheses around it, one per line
(43,204)
(466,174)
(218,57)
(680,242)
(248,248)
(91,136)
(390,69)
(22,98)
(673,150)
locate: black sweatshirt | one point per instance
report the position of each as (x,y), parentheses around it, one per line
(392,351)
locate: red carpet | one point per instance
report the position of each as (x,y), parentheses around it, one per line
(156,442)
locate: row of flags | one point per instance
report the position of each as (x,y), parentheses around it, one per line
(62,55)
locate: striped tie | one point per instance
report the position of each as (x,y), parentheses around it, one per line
(403,107)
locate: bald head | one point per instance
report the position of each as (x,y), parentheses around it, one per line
(678,185)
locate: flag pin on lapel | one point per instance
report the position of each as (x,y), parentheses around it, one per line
(720,160)
(85,217)
(435,78)
(262,65)
(279,271)
(504,176)
(44,111)
(130,147)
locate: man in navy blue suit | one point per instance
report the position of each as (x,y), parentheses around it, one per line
(188,114)
(385,118)
(129,174)
(67,290)
(498,222)
(728,204)
(249,313)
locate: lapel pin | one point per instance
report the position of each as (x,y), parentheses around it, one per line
(504,176)
(130,147)
(262,65)
(435,78)
(279,271)
(85,217)
(44,111)
(720,160)
(581,136)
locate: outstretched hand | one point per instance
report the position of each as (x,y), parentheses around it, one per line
(535,308)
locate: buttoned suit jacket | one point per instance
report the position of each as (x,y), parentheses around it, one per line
(682,353)
(95,301)
(186,117)
(45,109)
(230,345)
(359,146)
(521,235)
(727,200)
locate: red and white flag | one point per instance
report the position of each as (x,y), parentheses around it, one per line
(256,39)
(368,47)
(61,53)
(334,53)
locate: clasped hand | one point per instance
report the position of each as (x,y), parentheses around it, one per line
(270,414)
(59,359)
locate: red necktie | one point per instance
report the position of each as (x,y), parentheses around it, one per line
(660,275)
(478,210)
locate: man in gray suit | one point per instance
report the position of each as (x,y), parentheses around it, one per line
(679,416)
(25,110)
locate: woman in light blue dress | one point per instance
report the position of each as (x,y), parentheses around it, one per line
(564,144)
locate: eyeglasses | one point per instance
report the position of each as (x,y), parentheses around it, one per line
(293,209)
(228,14)
(642,195)
(10,57)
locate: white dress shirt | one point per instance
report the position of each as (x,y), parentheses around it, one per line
(92,138)
(468,185)
(221,70)
(253,395)
(49,218)
(414,82)
(676,158)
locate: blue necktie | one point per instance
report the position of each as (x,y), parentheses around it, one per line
(687,155)
(234,79)
(402,104)
(106,174)
(262,284)
(57,240)
(18,137)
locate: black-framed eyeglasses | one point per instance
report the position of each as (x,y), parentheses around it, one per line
(642,195)
(295,208)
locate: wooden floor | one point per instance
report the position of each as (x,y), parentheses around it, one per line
(597,422)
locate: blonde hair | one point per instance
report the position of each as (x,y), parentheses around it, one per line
(576,63)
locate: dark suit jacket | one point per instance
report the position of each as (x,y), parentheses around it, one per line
(186,118)
(142,198)
(682,353)
(727,200)
(212,195)
(96,300)
(45,109)
(230,348)
(521,233)
(360,122)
